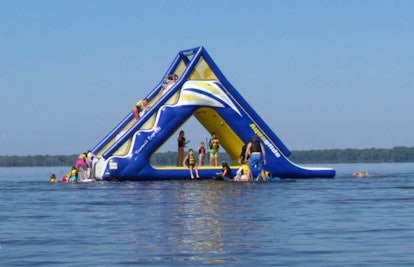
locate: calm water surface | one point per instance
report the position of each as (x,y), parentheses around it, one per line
(318,222)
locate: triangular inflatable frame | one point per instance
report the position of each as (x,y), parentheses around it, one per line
(201,91)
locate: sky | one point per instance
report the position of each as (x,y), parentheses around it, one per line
(322,74)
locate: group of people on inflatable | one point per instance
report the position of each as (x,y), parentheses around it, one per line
(81,171)
(252,156)
(252,159)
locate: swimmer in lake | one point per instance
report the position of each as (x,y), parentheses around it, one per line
(360,174)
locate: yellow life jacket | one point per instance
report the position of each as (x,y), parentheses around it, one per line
(245,168)
(191,159)
(73,172)
(215,144)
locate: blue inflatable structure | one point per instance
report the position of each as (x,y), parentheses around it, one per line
(201,91)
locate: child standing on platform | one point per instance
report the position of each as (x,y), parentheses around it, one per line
(201,154)
(214,150)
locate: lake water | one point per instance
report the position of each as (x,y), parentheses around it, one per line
(343,221)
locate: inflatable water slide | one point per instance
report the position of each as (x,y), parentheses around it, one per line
(203,92)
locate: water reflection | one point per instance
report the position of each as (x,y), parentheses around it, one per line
(190,219)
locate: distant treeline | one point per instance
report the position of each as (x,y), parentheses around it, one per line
(37,160)
(370,155)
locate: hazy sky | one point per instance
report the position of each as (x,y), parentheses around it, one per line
(322,74)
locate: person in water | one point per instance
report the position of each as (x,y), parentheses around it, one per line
(190,160)
(73,175)
(360,174)
(65,178)
(53,178)
(256,154)
(243,173)
(225,172)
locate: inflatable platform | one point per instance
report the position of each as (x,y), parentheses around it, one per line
(201,91)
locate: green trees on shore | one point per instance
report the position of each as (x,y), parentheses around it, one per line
(370,155)
(37,160)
